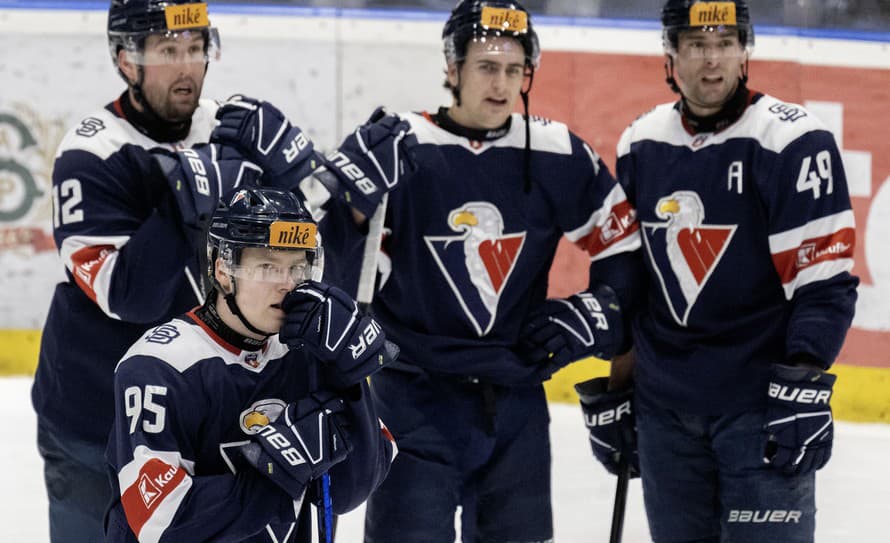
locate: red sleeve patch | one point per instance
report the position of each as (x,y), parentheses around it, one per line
(620,224)
(814,251)
(156,480)
(86,264)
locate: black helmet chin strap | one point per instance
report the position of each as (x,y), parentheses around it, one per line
(528,132)
(233,307)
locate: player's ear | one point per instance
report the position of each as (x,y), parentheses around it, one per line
(452,74)
(221,276)
(127,68)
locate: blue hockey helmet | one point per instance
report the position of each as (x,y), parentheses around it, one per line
(130,22)
(263,218)
(707,15)
(476,20)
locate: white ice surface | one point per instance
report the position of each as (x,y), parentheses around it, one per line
(853,490)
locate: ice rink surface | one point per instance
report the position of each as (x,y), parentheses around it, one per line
(853,490)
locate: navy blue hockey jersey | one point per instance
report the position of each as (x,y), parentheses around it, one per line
(125,263)
(468,250)
(748,239)
(184,399)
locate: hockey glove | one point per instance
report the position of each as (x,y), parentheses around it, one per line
(199,176)
(799,427)
(261,132)
(327,322)
(564,330)
(609,418)
(371,161)
(304,442)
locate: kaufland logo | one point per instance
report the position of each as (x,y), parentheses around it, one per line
(805,255)
(150,489)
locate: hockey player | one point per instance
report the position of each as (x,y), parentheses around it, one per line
(220,426)
(749,234)
(473,225)
(128,225)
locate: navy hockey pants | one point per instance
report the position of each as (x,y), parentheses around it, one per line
(704,480)
(487,451)
(77,486)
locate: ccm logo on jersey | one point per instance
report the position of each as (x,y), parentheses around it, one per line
(366,338)
(609,416)
(757,516)
(799,395)
(353,172)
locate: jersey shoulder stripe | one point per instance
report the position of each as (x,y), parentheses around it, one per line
(181,344)
(102,133)
(546,135)
(773,124)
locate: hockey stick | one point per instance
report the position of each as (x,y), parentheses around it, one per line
(620,500)
(368,273)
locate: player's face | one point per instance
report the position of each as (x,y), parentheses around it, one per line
(174,69)
(707,67)
(489,80)
(264,277)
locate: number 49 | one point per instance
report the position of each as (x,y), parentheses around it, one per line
(812,180)
(135,402)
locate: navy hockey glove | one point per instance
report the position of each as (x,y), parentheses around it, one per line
(799,426)
(327,322)
(199,176)
(371,161)
(609,418)
(303,443)
(262,133)
(565,330)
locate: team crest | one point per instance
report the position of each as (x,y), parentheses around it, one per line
(259,414)
(478,262)
(684,251)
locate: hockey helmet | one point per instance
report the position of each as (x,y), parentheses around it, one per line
(264,218)
(706,15)
(130,22)
(477,20)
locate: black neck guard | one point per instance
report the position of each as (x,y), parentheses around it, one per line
(728,114)
(443,120)
(209,315)
(151,125)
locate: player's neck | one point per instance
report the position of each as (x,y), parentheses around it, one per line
(446,122)
(149,123)
(729,113)
(211,315)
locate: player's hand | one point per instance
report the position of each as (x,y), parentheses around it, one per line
(372,160)
(263,133)
(565,330)
(326,321)
(199,176)
(304,442)
(799,427)
(609,418)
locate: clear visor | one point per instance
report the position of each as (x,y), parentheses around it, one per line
(490,45)
(195,46)
(274,266)
(708,42)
